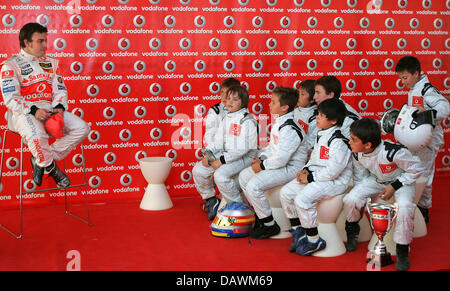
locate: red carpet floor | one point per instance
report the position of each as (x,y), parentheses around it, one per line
(123,237)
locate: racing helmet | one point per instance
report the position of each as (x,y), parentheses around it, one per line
(410,127)
(233,220)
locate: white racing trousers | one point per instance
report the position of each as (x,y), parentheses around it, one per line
(300,200)
(254,185)
(356,199)
(223,177)
(36,137)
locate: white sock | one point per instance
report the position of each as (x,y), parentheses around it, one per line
(314,238)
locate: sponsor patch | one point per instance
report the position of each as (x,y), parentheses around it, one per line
(417,101)
(324,153)
(387,168)
(9,89)
(7,74)
(303,125)
(235,129)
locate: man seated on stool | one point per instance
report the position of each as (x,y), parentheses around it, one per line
(33,90)
(382,169)
(326,175)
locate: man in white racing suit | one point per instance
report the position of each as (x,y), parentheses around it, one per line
(425,96)
(33,90)
(381,169)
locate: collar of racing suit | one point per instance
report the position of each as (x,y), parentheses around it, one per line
(419,85)
(27,56)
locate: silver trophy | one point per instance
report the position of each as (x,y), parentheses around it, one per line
(209,155)
(382,217)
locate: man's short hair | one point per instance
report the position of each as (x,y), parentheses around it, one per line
(242,93)
(408,63)
(333,109)
(308,86)
(330,84)
(367,130)
(26,32)
(230,82)
(287,96)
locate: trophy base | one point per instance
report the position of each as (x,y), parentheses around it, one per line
(379,260)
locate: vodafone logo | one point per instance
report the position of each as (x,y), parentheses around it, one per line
(257,21)
(109,112)
(199,21)
(285,21)
(109,158)
(228,21)
(170,110)
(43,20)
(425,43)
(185,88)
(271,43)
(229,65)
(170,66)
(214,43)
(270,86)
(387,104)
(8,20)
(154,43)
(139,66)
(389,22)
(76,67)
(214,87)
(387,168)
(312,22)
(155,133)
(78,112)
(108,67)
(200,109)
(77,160)
(389,63)
(95,181)
(311,64)
(401,43)
(185,43)
(126,180)
(94,136)
(125,134)
(350,85)
(170,21)
(200,66)
(92,44)
(299,43)
(414,23)
(12,163)
(285,65)
(124,89)
(325,43)
(351,43)
(140,155)
(139,21)
(155,89)
(186,176)
(59,44)
(257,108)
(338,64)
(124,43)
(75,20)
(140,111)
(107,20)
(363,104)
(364,22)
(92,90)
(243,43)
(257,65)
(376,84)
(338,22)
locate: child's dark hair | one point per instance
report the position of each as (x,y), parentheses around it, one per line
(241,92)
(333,109)
(26,32)
(288,96)
(308,86)
(367,130)
(330,84)
(230,82)
(409,63)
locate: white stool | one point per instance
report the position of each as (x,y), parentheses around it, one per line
(328,211)
(365,231)
(155,171)
(273,195)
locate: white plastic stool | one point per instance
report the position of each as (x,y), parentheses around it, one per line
(365,231)
(328,211)
(155,171)
(273,195)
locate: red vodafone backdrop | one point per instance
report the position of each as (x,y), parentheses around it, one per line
(144,73)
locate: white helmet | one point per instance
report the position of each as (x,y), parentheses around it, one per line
(233,220)
(410,127)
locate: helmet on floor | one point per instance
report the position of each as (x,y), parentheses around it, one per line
(410,127)
(233,220)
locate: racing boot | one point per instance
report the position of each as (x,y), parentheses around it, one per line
(352,229)
(38,172)
(61,179)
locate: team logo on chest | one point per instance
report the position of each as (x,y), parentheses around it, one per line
(303,125)
(235,129)
(387,168)
(417,101)
(324,153)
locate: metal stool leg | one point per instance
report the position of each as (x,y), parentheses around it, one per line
(88,221)
(18,236)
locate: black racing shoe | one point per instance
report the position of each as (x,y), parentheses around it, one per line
(425,214)
(61,179)
(263,231)
(213,206)
(352,230)
(38,172)
(402,257)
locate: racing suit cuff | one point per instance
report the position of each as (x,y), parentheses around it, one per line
(310,175)
(59,106)
(222,159)
(396,184)
(262,165)
(33,109)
